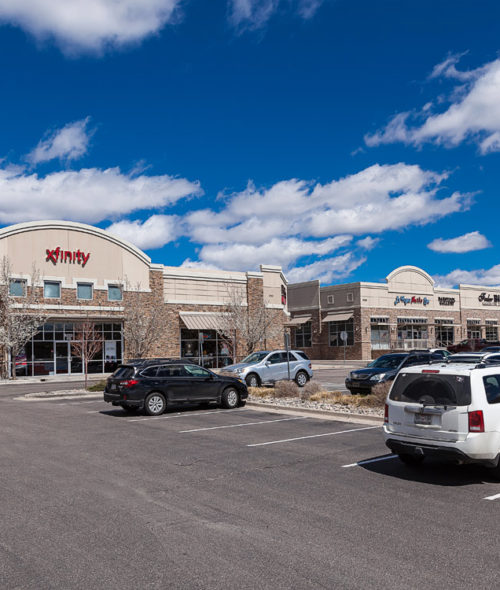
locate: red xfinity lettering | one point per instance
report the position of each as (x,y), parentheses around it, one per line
(69,256)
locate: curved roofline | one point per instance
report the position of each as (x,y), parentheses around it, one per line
(19,228)
(400,269)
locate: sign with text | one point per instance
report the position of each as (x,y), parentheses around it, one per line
(69,256)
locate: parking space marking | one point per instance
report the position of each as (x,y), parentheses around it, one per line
(244,424)
(495,497)
(366,461)
(180,414)
(285,440)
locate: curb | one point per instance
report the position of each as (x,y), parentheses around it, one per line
(63,395)
(322,414)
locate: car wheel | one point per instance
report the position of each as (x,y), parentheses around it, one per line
(252,380)
(495,472)
(154,404)
(412,460)
(128,408)
(230,398)
(301,378)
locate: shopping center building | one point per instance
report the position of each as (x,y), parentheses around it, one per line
(365,320)
(86,274)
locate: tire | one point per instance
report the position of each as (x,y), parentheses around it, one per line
(301,378)
(252,380)
(495,472)
(155,404)
(411,460)
(230,398)
(127,408)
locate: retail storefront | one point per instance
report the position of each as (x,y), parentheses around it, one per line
(406,312)
(86,276)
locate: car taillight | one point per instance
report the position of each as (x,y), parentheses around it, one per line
(476,421)
(386,414)
(129,382)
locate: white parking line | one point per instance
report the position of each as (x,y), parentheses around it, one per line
(385,458)
(180,414)
(495,497)
(244,424)
(275,442)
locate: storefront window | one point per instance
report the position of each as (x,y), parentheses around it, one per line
(335,330)
(380,333)
(491,330)
(206,348)
(412,333)
(444,332)
(473,328)
(303,335)
(51,351)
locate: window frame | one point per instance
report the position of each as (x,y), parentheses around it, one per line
(22,282)
(45,283)
(78,285)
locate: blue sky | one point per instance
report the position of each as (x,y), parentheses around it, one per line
(337,138)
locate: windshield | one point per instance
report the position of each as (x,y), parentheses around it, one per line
(389,361)
(255,357)
(432,389)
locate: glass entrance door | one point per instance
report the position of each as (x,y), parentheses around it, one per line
(62,358)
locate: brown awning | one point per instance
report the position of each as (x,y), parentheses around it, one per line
(337,317)
(298,321)
(201,320)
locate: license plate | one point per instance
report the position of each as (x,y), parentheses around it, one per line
(424,419)
(113,387)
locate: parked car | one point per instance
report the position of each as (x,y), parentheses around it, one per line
(470,345)
(450,411)
(153,385)
(385,368)
(270,366)
(466,357)
(490,349)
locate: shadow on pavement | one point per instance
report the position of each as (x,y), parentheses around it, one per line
(433,472)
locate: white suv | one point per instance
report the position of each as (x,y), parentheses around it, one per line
(450,411)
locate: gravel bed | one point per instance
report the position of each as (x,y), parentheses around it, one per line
(61,393)
(293,402)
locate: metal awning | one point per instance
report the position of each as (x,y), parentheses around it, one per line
(201,320)
(298,321)
(337,317)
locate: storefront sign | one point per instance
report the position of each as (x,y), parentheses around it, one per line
(411,300)
(489,299)
(446,300)
(59,255)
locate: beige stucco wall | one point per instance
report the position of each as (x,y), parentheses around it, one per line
(273,280)
(110,260)
(194,286)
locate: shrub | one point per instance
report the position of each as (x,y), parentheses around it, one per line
(286,389)
(376,399)
(261,391)
(99,386)
(310,388)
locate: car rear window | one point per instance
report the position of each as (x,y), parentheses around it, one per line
(432,389)
(123,372)
(302,355)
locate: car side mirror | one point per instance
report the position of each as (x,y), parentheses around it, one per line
(268,363)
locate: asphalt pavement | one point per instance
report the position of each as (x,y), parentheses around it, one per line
(92,497)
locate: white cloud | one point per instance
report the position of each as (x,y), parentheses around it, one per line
(466,243)
(474,112)
(69,143)
(155,232)
(254,14)
(367,243)
(282,252)
(89,195)
(487,277)
(373,200)
(89,25)
(327,270)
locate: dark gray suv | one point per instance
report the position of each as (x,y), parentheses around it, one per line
(153,385)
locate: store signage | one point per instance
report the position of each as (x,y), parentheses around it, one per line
(59,255)
(411,300)
(489,299)
(446,300)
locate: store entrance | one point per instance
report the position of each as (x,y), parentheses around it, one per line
(65,362)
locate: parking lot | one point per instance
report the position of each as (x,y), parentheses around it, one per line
(93,497)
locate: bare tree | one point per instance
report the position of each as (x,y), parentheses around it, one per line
(20,313)
(87,345)
(253,325)
(145,320)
